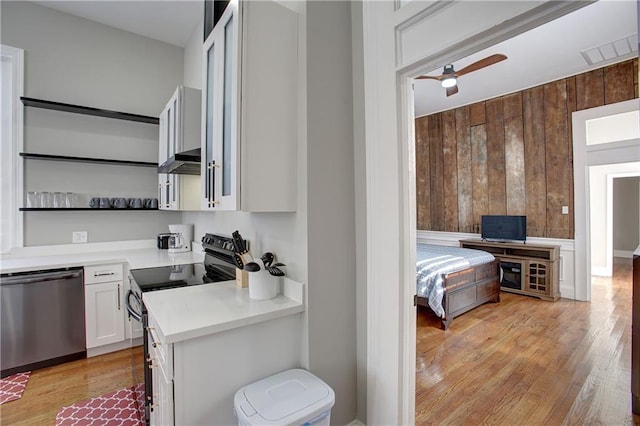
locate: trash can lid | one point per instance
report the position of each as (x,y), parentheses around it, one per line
(287,393)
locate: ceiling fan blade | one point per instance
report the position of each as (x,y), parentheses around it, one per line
(452,90)
(431,77)
(489,60)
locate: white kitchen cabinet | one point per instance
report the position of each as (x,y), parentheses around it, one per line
(250,109)
(179,132)
(104,305)
(161,364)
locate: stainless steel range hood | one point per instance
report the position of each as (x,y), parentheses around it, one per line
(183,163)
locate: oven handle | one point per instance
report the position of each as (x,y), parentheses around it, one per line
(132,312)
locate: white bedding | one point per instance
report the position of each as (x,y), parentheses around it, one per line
(433,261)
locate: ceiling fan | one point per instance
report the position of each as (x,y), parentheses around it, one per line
(449,76)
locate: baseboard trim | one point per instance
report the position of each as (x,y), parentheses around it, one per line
(623,253)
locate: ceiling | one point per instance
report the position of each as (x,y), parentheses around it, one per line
(544,54)
(170,21)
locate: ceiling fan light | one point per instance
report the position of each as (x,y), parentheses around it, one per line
(448,82)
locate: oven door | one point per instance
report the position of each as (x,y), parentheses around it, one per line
(134,305)
(140,367)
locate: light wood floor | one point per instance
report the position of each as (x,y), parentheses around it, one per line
(50,389)
(520,362)
(529,362)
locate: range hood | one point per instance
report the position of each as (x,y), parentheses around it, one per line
(183,163)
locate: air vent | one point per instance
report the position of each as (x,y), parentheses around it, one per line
(609,52)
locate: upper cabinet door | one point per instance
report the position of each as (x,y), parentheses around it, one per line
(219,121)
(250,109)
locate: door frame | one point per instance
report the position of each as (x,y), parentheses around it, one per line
(583,157)
(390,178)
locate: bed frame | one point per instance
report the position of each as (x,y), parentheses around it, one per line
(468,289)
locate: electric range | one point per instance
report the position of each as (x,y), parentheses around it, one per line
(218,265)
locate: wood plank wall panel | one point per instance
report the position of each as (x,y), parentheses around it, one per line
(514,165)
(423,201)
(495,157)
(534,152)
(437,176)
(513,154)
(479,173)
(465,180)
(450,171)
(618,83)
(590,89)
(558,151)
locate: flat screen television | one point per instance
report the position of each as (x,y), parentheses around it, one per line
(503,228)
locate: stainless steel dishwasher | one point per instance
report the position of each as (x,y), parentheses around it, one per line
(43,321)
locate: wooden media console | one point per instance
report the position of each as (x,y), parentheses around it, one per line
(529,269)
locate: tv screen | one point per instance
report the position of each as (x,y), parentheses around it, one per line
(504,228)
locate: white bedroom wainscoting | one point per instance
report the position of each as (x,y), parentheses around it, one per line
(567,248)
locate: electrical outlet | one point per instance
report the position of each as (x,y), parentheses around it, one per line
(565,209)
(79,237)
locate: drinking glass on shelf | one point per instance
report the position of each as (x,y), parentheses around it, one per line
(46,199)
(70,199)
(33,199)
(59,200)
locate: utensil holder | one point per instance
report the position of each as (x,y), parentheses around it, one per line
(263,285)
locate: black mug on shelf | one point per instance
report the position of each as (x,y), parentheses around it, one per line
(150,203)
(119,203)
(95,203)
(135,203)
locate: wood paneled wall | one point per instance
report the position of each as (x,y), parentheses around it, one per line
(510,155)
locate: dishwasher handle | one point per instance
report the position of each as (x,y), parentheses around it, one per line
(39,276)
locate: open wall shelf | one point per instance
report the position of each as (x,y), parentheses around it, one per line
(66,209)
(87,160)
(77,109)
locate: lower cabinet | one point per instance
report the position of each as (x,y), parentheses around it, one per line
(161,364)
(104,305)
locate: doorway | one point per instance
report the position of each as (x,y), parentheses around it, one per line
(589,151)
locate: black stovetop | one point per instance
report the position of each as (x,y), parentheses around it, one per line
(174,276)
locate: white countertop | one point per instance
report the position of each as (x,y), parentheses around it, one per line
(190,312)
(147,257)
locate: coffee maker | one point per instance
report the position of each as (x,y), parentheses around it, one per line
(180,238)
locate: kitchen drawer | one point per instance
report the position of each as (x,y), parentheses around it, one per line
(160,349)
(103,273)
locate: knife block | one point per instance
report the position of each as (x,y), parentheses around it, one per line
(242,278)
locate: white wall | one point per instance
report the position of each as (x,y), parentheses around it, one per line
(74,60)
(626,215)
(602,203)
(317,242)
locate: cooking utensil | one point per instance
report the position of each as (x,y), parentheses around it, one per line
(275,271)
(252,267)
(267,259)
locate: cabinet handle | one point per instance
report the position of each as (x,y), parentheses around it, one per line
(118,296)
(103,274)
(154,342)
(212,183)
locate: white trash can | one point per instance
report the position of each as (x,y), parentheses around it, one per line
(290,398)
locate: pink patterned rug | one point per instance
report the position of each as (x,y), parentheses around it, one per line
(119,408)
(11,387)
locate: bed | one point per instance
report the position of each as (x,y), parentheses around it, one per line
(454,280)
